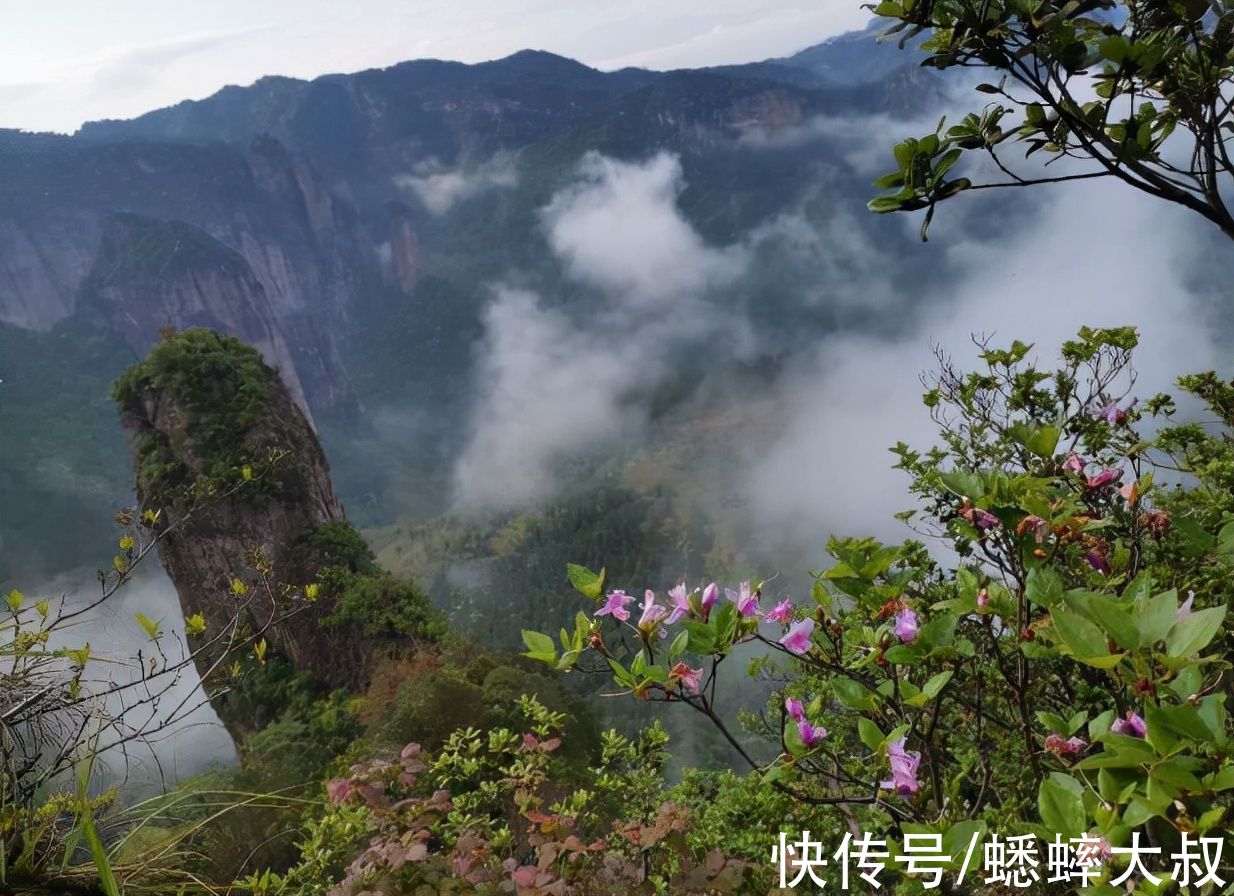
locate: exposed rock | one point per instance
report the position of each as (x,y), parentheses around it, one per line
(206,415)
(138,225)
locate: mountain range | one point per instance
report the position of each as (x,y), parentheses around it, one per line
(355,228)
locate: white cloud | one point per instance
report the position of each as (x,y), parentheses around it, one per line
(619,228)
(830,473)
(548,392)
(553,387)
(440,188)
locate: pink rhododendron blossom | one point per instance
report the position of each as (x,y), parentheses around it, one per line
(710,595)
(1112,413)
(781,612)
(1036,525)
(1065,746)
(811,735)
(681,604)
(798,638)
(795,710)
(1132,726)
(983,519)
(983,599)
(747,602)
(1074,464)
(1184,609)
(1104,478)
(906,626)
(652,612)
(615,606)
(690,678)
(903,770)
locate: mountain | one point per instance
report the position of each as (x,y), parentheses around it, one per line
(353,228)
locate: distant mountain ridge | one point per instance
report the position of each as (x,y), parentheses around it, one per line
(351,227)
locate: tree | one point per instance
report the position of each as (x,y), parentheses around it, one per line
(1138,90)
(64,707)
(1067,675)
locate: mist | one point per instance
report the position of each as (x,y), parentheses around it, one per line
(814,459)
(195,739)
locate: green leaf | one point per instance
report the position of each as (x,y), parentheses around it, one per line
(14,600)
(870,734)
(1060,800)
(884,204)
(1157,617)
(1082,637)
(679,644)
(539,646)
(1192,634)
(935,685)
(149,626)
(1111,615)
(702,636)
(1040,440)
(586,582)
(938,632)
(965,484)
(1044,587)
(853,694)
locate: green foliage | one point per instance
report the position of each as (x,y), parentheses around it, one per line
(221,386)
(381,604)
(1157,71)
(1053,681)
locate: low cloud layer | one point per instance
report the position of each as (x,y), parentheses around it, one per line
(618,228)
(440,188)
(855,397)
(553,385)
(196,740)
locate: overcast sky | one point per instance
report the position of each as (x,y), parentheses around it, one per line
(69,61)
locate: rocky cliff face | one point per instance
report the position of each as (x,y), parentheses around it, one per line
(155,234)
(225,455)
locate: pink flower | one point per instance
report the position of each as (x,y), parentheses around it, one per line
(906,626)
(1104,478)
(652,612)
(689,678)
(747,603)
(983,599)
(1112,413)
(1060,746)
(1035,524)
(681,603)
(615,606)
(795,710)
(798,638)
(710,595)
(903,770)
(781,612)
(1132,726)
(811,735)
(1074,464)
(1184,609)
(983,519)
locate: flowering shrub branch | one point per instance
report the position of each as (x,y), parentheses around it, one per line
(1055,680)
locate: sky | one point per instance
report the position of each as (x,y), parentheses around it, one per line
(72,61)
